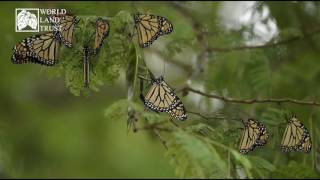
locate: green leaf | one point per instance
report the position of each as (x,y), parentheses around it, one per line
(293,170)
(195,158)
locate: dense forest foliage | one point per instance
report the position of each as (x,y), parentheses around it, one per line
(227,61)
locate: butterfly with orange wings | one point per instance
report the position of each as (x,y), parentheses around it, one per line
(150,27)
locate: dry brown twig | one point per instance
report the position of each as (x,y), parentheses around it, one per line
(252,101)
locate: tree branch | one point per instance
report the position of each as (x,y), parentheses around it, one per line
(195,23)
(155,126)
(164,142)
(253,101)
(268,45)
(200,35)
(207,117)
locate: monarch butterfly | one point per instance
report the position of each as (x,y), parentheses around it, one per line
(150,27)
(86,66)
(296,137)
(21,54)
(254,135)
(64,25)
(161,98)
(102,31)
(41,49)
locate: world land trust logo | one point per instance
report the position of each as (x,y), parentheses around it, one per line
(35,19)
(27,20)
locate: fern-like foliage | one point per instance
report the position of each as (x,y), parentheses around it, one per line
(184,149)
(259,74)
(293,170)
(106,66)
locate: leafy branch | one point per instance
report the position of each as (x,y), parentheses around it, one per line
(201,35)
(154,126)
(206,117)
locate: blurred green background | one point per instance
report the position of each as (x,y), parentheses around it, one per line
(47,132)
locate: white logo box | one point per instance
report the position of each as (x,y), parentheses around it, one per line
(27,9)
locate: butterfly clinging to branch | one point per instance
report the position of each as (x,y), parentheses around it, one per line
(254,135)
(44,48)
(64,25)
(161,98)
(102,31)
(40,49)
(296,137)
(150,27)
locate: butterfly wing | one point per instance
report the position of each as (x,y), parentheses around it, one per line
(263,136)
(254,135)
(287,142)
(306,145)
(150,27)
(249,137)
(160,97)
(166,26)
(64,25)
(21,54)
(296,137)
(178,112)
(44,48)
(102,31)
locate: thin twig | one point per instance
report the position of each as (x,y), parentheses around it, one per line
(212,117)
(186,13)
(164,142)
(253,101)
(155,126)
(155,129)
(141,77)
(197,26)
(206,117)
(268,45)
(200,35)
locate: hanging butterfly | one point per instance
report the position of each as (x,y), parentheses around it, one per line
(254,135)
(86,66)
(102,31)
(296,137)
(64,25)
(41,49)
(150,27)
(161,98)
